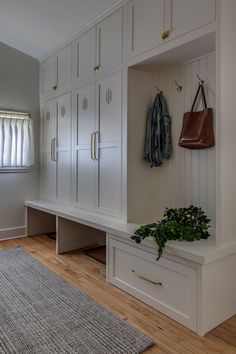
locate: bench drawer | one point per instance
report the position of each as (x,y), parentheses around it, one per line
(168,286)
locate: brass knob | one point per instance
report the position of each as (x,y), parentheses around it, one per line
(165,35)
(97,67)
(55,87)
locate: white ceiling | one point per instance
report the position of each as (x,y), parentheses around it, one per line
(37,26)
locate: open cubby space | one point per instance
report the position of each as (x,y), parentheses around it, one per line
(189,177)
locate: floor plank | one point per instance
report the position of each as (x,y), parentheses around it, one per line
(89,276)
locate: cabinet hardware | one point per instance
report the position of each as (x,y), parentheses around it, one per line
(110,95)
(145,278)
(165,34)
(92,147)
(96,140)
(96,68)
(52,149)
(55,87)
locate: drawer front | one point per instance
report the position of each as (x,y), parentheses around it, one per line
(166,285)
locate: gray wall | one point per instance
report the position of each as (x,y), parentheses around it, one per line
(19,84)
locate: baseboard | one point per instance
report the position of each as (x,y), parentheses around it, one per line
(16,232)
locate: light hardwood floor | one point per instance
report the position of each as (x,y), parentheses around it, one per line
(89,276)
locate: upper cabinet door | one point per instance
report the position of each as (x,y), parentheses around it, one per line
(183,16)
(49,75)
(64,68)
(145,25)
(85,55)
(109,42)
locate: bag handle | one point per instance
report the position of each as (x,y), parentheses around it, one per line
(200,89)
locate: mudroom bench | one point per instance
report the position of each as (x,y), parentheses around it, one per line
(192,283)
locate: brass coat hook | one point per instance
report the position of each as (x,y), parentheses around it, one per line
(201,82)
(157,88)
(179,88)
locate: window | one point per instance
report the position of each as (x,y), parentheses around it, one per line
(16,140)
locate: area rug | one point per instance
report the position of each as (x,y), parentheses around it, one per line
(42,313)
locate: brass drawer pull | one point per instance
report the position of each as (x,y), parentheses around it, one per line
(55,87)
(147,279)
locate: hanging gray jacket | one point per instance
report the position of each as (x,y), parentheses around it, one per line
(158,143)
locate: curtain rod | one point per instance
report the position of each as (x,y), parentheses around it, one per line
(11,114)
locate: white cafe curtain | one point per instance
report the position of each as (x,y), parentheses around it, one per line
(16,141)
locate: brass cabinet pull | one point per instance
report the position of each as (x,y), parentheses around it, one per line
(96,68)
(55,87)
(55,147)
(92,147)
(165,34)
(52,149)
(147,279)
(95,145)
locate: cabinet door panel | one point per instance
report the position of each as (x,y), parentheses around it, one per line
(48,125)
(146,25)
(64,67)
(63,104)
(187,15)
(63,122)
(85,54)
(49,73)
(86,179)
(63,176)
(86,116)
(109,39)
(110,108)
(110,181)
(48,173)
(86,166)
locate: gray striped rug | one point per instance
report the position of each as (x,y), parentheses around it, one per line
(41,313)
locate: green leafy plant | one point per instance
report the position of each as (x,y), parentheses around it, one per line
(183,224)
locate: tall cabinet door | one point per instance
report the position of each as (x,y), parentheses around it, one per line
(49,75)
(109,159)
(64,68)
(109,42)
(85,155)
(146,25)
(183,16)
(63,143)
(85,55)
(48,164)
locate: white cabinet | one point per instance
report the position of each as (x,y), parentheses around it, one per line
(86,167)
(48,167)
(168,286)
(97,150)
(109,176)
(56,72)
(145,25)
(151,23)
(49,75)
(183,16)
(55,149)
(109,39)
(85,55)
(99,49)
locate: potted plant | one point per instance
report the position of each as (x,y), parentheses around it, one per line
(183,224)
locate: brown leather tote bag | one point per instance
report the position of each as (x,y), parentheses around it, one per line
(197,129)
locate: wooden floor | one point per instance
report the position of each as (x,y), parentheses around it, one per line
(89,276)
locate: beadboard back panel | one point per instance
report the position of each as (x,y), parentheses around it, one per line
(189,176)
